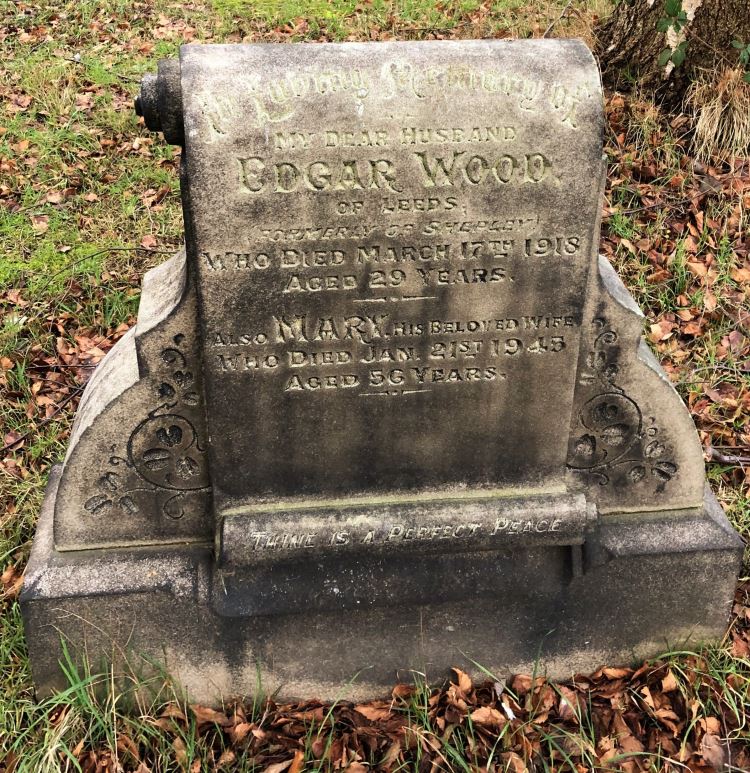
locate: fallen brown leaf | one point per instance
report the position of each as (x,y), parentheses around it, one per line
(488,716)
(297,762)
(40,224)
(373,713)
(204,714)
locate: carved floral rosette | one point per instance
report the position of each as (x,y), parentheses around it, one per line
(164,458)
(613,443)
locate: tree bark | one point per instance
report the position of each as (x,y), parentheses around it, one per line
(629,44)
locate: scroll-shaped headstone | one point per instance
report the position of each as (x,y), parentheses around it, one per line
(389,410)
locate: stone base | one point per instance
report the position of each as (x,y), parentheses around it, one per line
(555,609)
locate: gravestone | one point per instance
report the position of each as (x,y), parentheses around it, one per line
(388,411)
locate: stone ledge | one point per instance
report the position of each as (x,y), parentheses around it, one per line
(643,591)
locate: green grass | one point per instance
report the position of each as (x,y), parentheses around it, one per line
(91,714)
(338,20)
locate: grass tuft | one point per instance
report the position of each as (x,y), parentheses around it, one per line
(721,107)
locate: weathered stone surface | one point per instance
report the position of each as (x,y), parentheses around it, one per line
(427,525)
(441,271)
(389,410)
(633,445)
(649,584)
(136,470)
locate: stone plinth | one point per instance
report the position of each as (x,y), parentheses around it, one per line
(389,410)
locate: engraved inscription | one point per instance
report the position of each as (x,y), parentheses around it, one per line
(257,175)
(352,263)
(394,257)
(275,100)
(395,532)
(319,354)
(401,251)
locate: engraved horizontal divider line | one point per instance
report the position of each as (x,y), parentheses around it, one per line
(256,535)
(396,298)
(395,393)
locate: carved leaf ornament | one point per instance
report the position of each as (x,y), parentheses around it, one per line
(163,452)
(615,436)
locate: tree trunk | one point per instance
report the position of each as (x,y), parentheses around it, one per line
(630,44)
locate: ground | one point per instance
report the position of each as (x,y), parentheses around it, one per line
(89,200)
